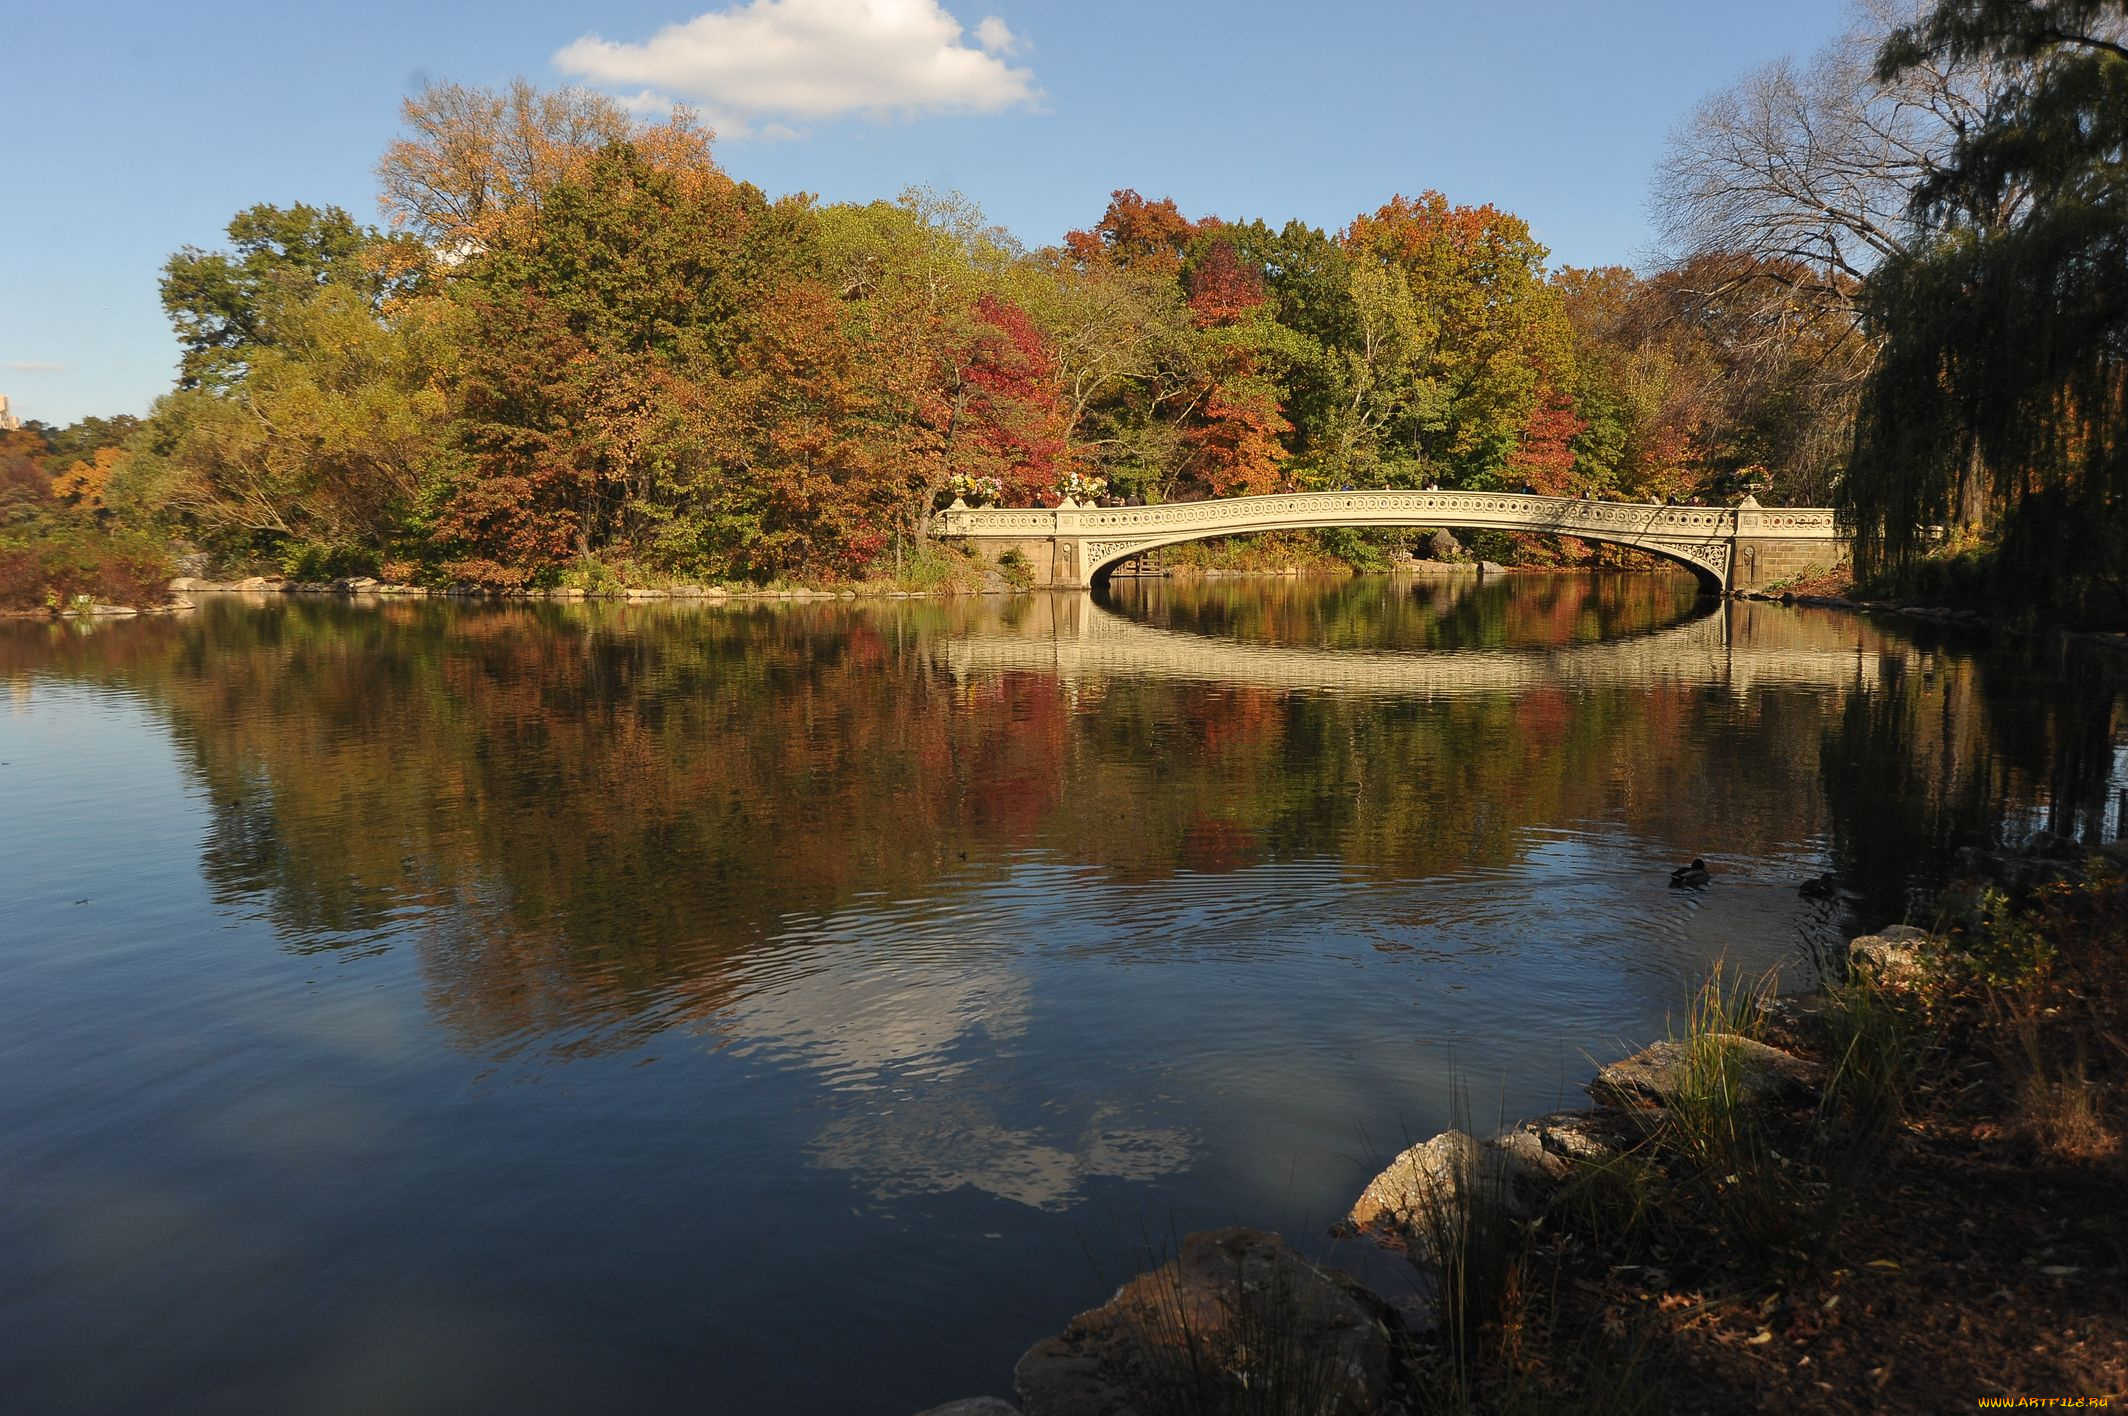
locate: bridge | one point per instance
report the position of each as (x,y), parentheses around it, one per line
(1745,547)
(1739,649)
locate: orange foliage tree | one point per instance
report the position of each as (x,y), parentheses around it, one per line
(1134,232)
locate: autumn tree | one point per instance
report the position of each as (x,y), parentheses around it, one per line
(1686,392)
(25,481)
(1235,432)
(88,436)
(86,480)
(1135,232)
(912,274)
(1317,324)
(56,542)
(816,496)
(471,157)
(1008,420)
(1544,455)
(1125,353)
(321,456)
(600,329)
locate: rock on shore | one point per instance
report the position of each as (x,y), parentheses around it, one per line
(1427,1184)
(1233,1301)
(1653,1076)
(1892,955)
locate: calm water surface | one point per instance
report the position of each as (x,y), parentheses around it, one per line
(806,1007)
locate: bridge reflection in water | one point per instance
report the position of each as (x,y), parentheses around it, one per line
(1739,646)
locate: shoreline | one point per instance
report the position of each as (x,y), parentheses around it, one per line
(1873,1058)
(365,588)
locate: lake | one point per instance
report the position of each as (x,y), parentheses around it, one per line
(806,1006)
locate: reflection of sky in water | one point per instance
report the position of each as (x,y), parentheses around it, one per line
(909,1023)
(867,1001)
(928,1145)
(926,1035)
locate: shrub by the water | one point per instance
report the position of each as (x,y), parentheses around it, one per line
(60,569)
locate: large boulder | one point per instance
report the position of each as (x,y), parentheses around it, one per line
(1896,954)
(1429,1186)
(1428,1178)
(1235,1307)
(1443,546)
(1657,1075)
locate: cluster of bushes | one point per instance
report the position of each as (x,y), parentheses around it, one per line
(59,544)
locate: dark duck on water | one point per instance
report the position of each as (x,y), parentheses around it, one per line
(1690,876)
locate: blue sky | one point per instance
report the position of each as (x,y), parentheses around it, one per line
(134,129)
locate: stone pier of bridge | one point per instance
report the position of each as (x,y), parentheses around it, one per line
(1745,547)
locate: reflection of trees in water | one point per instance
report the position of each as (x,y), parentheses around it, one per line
(1458,612)
(595,819)
(1952,750)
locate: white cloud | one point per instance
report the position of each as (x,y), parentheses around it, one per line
(996,37)
(812,59)
(37,366)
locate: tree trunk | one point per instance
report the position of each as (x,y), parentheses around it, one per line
(1971,510)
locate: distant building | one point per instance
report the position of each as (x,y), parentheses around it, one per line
(8,421)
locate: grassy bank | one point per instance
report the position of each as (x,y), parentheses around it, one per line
(1940,1221)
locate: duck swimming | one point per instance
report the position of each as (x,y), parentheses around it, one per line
(1820,887)
(1690,876)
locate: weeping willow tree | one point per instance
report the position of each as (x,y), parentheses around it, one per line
(2005,329)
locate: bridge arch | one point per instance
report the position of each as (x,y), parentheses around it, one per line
(1706,556)
(1727,547)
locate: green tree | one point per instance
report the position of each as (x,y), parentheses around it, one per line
(2006,329)
(1485,332)
(328,444)
(221,302)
